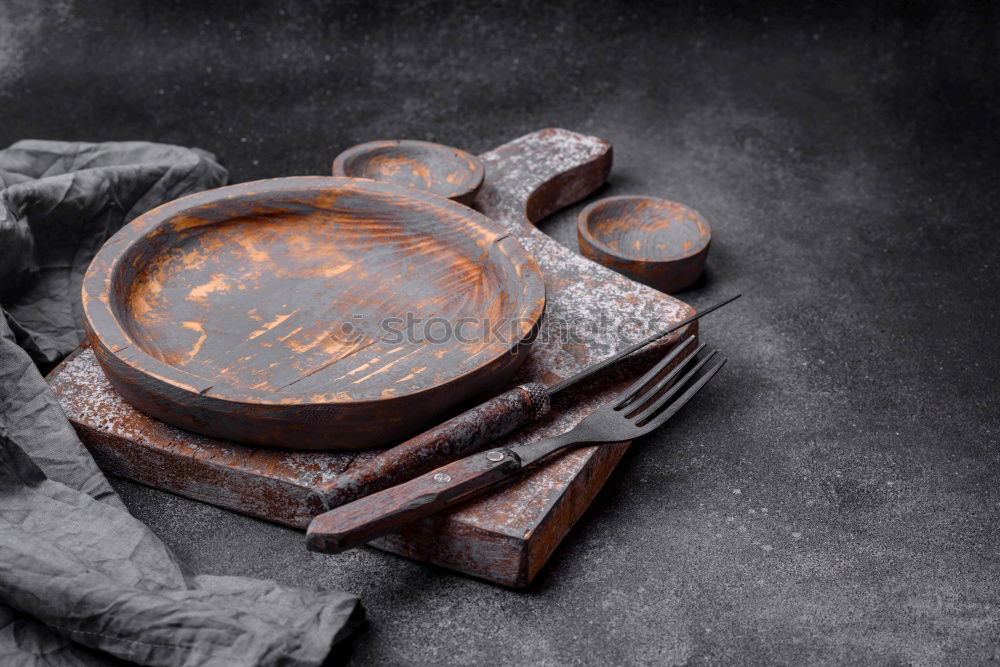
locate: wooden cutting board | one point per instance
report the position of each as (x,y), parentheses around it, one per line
(505,537)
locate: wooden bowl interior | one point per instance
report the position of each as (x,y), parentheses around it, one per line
(442,170)
(646,228)
(293,291)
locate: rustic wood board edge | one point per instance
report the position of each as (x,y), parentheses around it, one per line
(145,455)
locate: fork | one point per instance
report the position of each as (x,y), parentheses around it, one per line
(645,405)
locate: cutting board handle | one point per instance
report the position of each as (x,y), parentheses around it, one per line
(534,176)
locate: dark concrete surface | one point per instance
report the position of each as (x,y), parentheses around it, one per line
(833,496)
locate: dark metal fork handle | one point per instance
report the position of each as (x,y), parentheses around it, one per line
(380,513)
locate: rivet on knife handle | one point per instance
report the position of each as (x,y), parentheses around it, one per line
(460,436)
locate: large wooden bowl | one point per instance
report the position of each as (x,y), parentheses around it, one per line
(310,312)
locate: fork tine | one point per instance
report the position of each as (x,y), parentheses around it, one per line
(647,395)
(655,402)
(630,393)
(672,409)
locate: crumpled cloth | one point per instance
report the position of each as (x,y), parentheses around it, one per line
(82,582)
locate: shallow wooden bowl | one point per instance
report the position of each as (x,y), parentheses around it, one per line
(442,170)
(310,312)
(655,241)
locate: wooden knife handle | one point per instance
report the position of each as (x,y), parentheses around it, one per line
(373,516)
(460,436)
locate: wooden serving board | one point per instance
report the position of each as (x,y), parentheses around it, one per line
(506,537)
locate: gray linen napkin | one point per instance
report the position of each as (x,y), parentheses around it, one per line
(82,582)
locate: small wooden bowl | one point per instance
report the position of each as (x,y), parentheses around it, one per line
(436,168)
(655,241)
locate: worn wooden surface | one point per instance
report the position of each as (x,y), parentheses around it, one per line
(443,170)
(310,312)
(506,536)
(655,241)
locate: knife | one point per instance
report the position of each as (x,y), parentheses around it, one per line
(465,433)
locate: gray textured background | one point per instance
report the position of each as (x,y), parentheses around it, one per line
(833,496)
